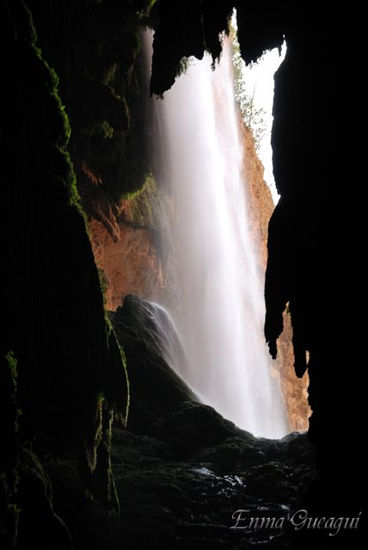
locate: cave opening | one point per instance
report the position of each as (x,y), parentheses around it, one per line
(103,444)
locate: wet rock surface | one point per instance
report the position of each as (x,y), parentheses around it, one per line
(182,470)
(191,502)
(172,500)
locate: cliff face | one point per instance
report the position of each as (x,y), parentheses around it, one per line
(260,204)
(294,390)
(126,245)
(129,263)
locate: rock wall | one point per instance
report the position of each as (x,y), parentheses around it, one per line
(126,245)
(129,263)
(67,366)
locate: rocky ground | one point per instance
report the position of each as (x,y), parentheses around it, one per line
(177,490)
(181,470)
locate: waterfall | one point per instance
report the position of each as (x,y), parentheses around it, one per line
(219,305)
(161,333)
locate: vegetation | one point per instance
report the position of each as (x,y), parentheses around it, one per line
(184,65)
(62,132)
(99,128)
(13,367)
(103,283)
(252,116)
(110,74)
(145,203)
(144,11)
(112,337)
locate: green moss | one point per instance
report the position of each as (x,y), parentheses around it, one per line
(53,87)
(145,11)
(13,367)
(147,205)
(9,474)
(100,399)
(99,128)
(62,136)
(110,75)
(111,333)
(183,65)
(52,84)
(103,283)
(147,208)
(140,201)
(130,195)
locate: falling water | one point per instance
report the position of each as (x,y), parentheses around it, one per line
(220,293)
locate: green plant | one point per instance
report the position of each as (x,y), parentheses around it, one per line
(103,283)
(145,10)
(110,74)
(13,367)
(184,65)
(253,116)
(99,128)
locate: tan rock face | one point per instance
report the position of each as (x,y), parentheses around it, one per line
(260,204)
(295,390)
(130,264)
(123,243)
